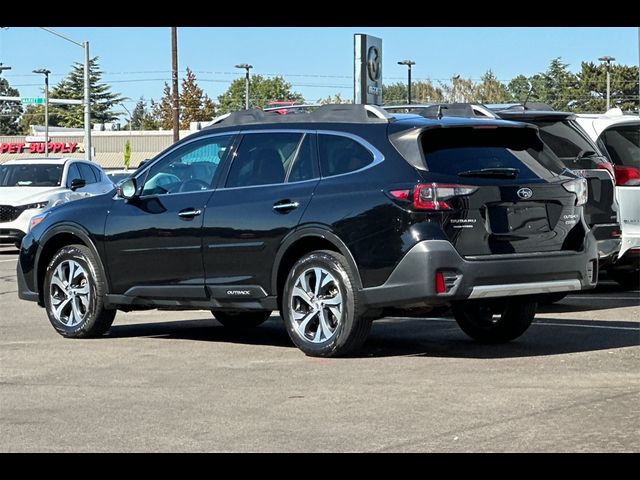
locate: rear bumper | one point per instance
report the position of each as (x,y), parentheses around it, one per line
(608,240)
(413,281)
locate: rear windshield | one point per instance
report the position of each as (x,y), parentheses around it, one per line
(623,144)
(453,151)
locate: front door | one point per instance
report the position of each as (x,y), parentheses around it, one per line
(153,242)
(269,184)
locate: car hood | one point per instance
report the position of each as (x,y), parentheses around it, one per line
(25,195)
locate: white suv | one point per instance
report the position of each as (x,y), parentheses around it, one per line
(28,186)
(618,136)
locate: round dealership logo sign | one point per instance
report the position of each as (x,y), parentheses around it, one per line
(525,193)
(373,63)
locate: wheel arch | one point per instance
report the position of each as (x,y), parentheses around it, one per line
(53,240)
(304,241)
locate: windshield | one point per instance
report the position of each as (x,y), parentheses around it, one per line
(502,152)
(33,175)
(623,144)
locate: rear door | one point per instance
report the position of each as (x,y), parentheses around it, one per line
(270,181)
(511,201)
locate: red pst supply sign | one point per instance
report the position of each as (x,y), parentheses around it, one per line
(54,147)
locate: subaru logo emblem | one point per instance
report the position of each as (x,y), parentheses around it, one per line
(525,193)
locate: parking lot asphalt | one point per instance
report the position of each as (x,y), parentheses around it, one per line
(179,381)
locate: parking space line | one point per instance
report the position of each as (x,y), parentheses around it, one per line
(554,324)
(592,297)
(9,260)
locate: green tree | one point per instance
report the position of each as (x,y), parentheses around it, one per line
(491,90)
(195,105)
(335,99)
(33,115)
(127,154)
(424,91)
(261,91)
(557,86)
(72,87)
(593,87)
(9,111)
(162,111)
(460,90)
(518,89)
(394,93)
(138,114)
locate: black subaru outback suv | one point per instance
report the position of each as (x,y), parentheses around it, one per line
(328,217)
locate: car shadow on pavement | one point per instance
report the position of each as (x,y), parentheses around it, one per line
(436,337)
(9,251)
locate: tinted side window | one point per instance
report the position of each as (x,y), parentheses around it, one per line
(304,166)
(263,159)
(73,174)
(564,138)
(189,168)
(87,173)
(98,174)
(340,155)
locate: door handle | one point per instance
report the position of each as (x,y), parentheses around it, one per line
(189,213)
(285,206)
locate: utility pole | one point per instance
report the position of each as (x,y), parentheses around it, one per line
(174,81)
(45,72)
(608,61)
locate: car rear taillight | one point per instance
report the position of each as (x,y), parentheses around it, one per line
(436,196)
(627,175)
(580,188)
(608,167)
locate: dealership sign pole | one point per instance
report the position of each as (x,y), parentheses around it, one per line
(367,69)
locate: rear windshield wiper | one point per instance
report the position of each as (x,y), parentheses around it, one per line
(491,173)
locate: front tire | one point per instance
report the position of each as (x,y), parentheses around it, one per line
(241,320)
(74,290)
(494,322)
(321,307)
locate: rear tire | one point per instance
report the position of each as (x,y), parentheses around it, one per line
(241,320)
(477,319)
(321,307)
(627,279)
(74,290)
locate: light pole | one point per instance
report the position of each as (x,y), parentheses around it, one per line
(45,72)
(247,67)
(408,63)
(3,68)
(175,98)
(608,61)
(87,90)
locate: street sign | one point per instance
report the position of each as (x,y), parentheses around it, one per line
(32,100)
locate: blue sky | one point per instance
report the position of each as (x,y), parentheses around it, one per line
(317,61)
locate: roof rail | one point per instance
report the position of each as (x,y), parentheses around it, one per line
(464,110)
(346,113)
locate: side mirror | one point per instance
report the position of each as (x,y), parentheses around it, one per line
(127,189)
(77,183)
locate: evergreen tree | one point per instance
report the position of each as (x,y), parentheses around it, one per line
(491,90)
(138,114)
(519,89)
(9,111)
(162,112)
(593,87)
(72,87)
(195,105)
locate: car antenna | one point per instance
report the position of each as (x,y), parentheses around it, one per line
(439,114)
(524,105)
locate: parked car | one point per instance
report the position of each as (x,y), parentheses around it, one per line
(28,186)
(618,136)
(328,217)
(571,144)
